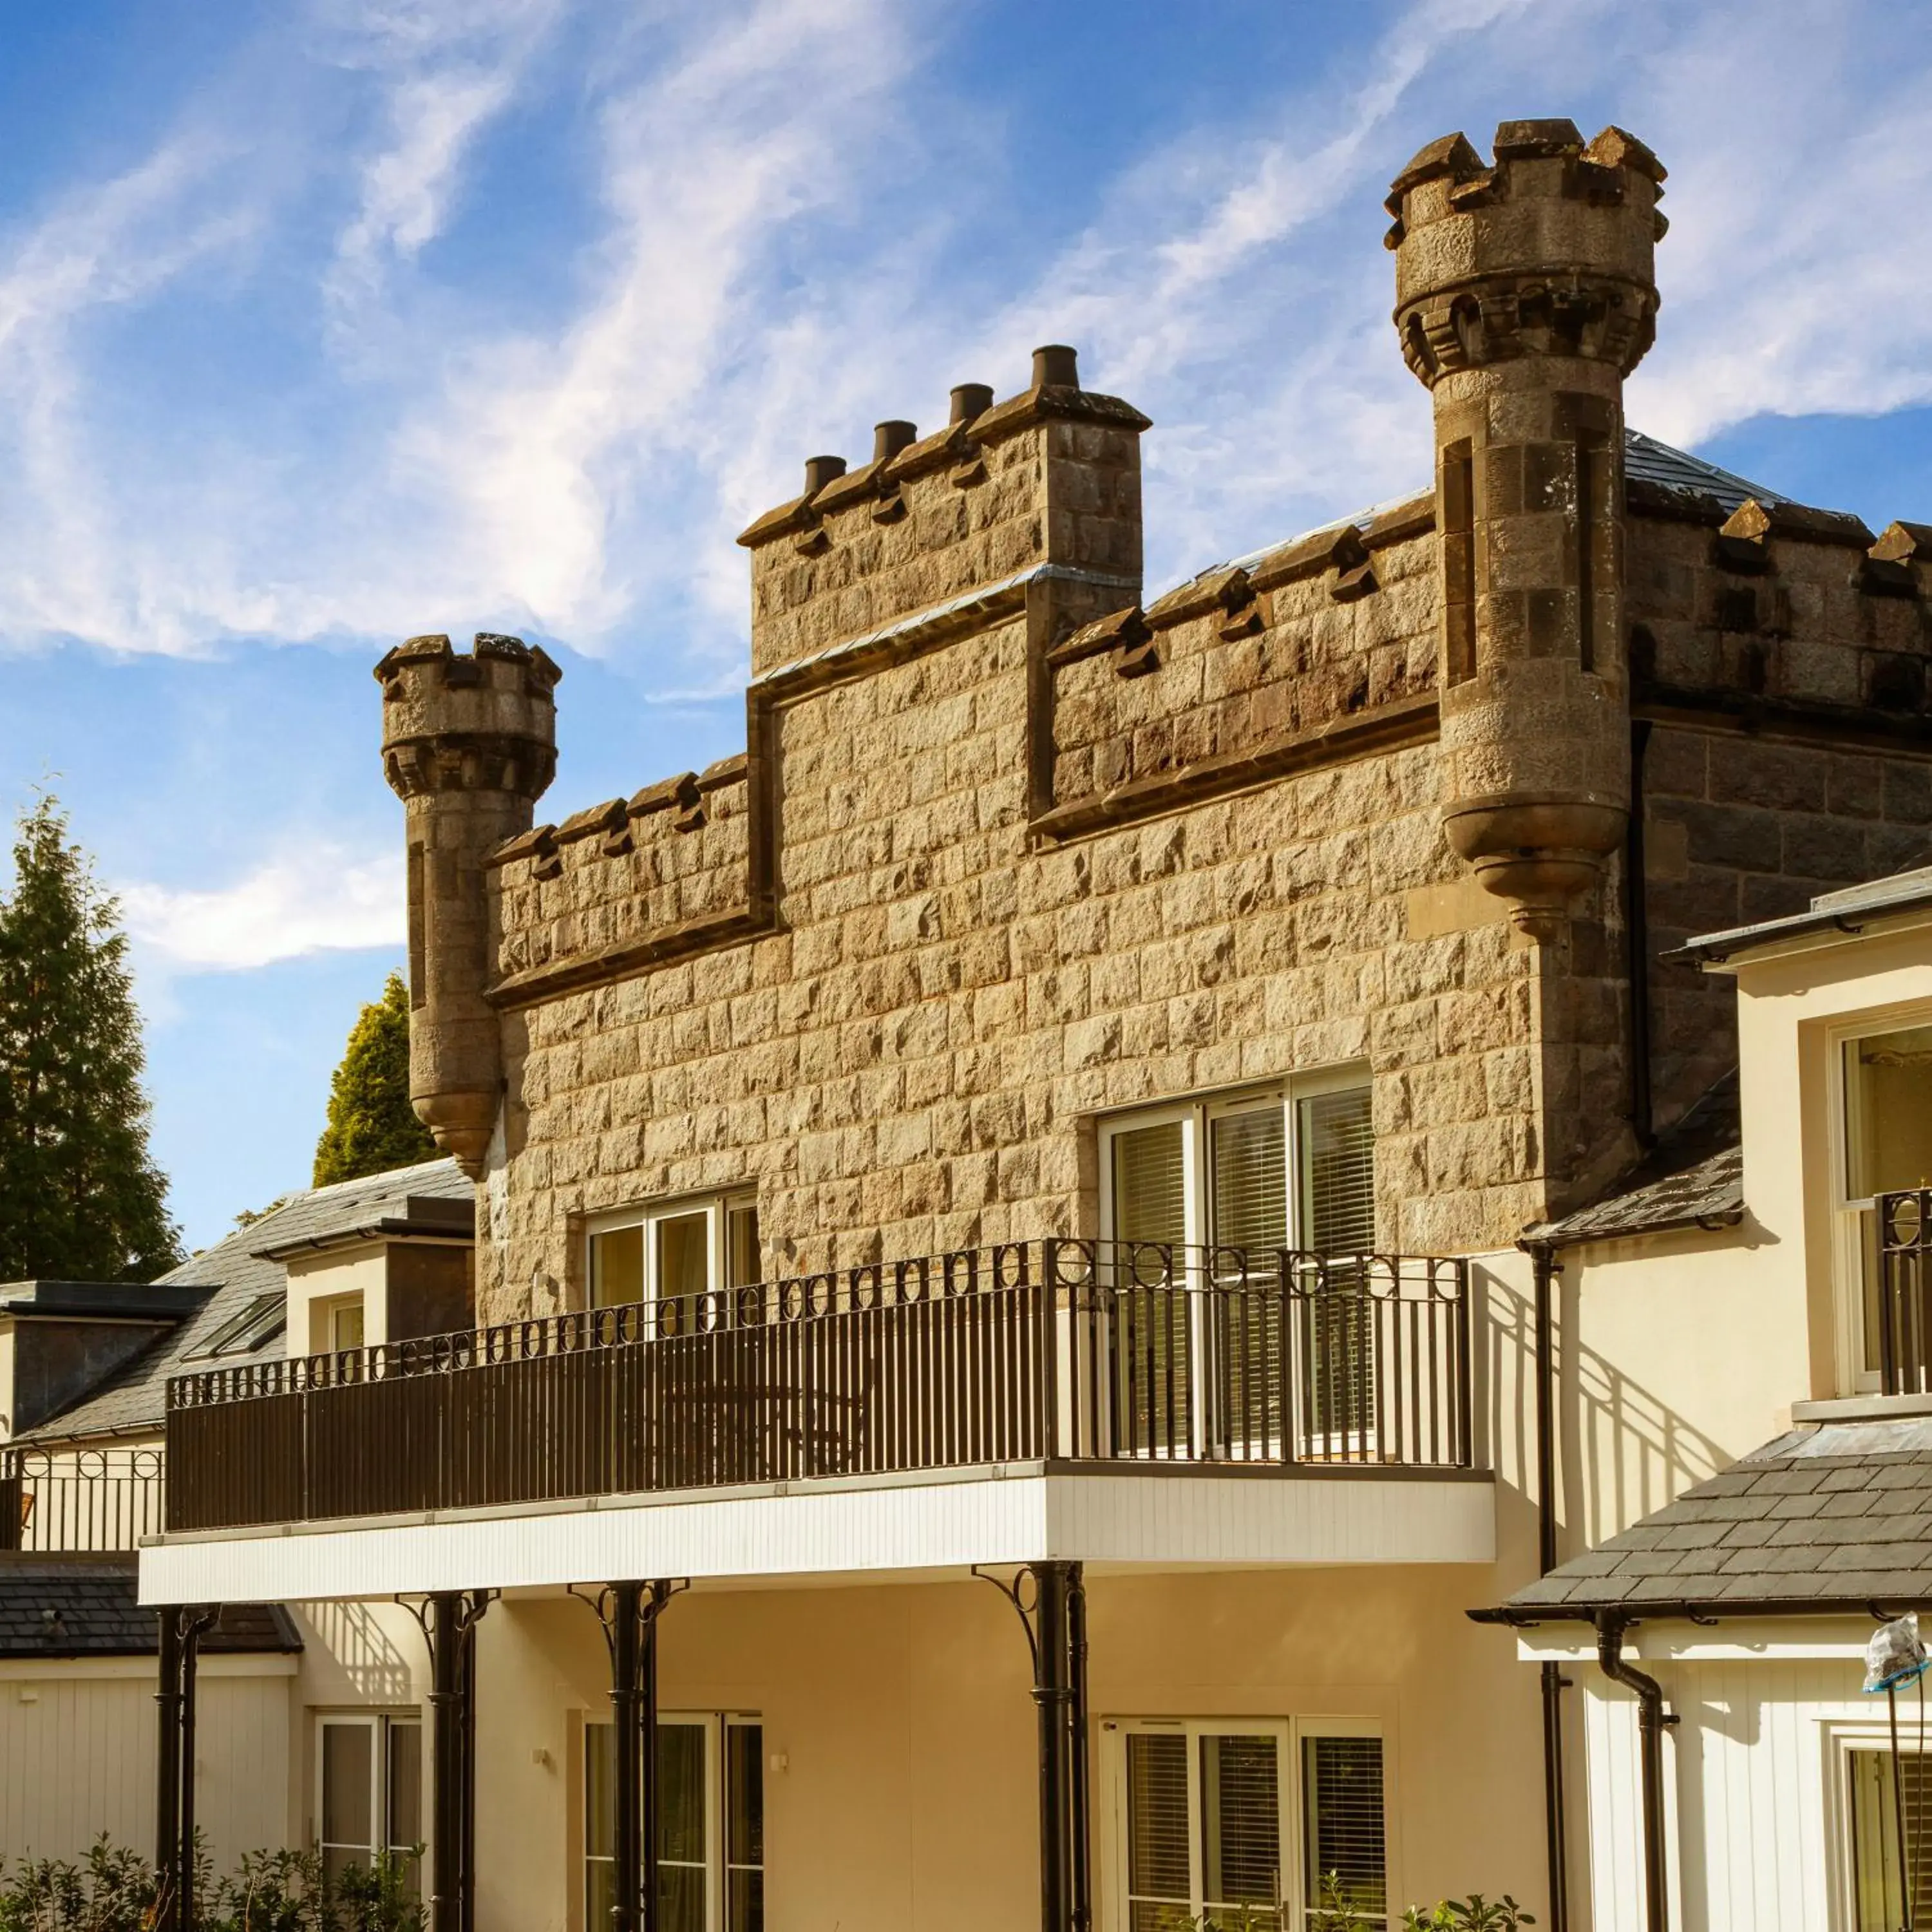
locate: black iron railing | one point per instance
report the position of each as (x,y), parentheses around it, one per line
(79,1499)
(1034,1351)
(1904,1310)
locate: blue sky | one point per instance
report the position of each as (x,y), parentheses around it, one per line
(325,322)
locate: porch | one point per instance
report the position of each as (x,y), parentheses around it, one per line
(1058,1417)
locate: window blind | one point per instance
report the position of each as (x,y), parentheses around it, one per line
(1876,1864)
(1241,1824)
(1336,1133)
(1159,1885)
(1250,1179)
(1151,1184)
(1344,1829)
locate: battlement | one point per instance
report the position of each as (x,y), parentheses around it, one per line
(1051,476)
(1548,250)
(483,720)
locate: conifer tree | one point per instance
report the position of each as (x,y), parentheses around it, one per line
(372,1127)
(80,1197)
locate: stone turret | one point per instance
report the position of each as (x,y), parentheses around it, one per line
(469,745)
(1524,296)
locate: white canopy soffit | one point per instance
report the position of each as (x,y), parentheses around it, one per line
(855,1528)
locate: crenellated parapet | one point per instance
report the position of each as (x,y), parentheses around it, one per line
(1548,251)
(469,745)
(1049,477)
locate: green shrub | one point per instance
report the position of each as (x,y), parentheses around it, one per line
(115,1890)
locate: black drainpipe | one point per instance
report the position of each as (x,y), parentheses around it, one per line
(1651,1720)
(1637,934)
(1542,1259)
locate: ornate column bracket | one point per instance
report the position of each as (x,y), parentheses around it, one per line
(629,1614)
(1050,1599)
(447,1621)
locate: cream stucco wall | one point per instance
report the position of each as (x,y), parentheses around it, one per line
(315,1282)
(903,1717)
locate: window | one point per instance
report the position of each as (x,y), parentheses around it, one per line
(338,1325)
(1873,1813)
(1279,1168)
(1886,1134)
(1246,1823)
(667,1253)
(711,1824)
(1285,1167)
(260,1319)
(369,1791)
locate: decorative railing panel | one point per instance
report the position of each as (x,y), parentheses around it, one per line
(80,1499)
(1904,1310)
(1028,1352)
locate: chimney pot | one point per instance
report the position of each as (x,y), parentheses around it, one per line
(971,400)
(890,438)
(1056,366)
(819,470)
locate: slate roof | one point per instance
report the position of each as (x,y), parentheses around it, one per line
(1694,1177)
(1832,1516)
(85,1607)
(134,1400)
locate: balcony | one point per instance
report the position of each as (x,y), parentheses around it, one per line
(1904,1310)
(1047,1350)
(73,1500)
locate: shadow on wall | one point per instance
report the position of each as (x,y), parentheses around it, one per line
(1622,1451)
(374,1668)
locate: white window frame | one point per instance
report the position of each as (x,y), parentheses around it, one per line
(716,1208)
(1856,1376)
(1289,1734)
(717,1726)
(377,1725)
(1842,1740)
(1197,1113)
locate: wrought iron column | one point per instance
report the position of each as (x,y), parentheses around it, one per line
(182,1627)
(629,1613)
(1051,1599)
(448,1621)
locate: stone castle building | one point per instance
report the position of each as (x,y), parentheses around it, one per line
(1012,846)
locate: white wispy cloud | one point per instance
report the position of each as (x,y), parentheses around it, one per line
(447,70)
(316,898)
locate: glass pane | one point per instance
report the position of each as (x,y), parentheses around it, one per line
(742,1256)
(1241,1822)
(600,1773)
(1876,1862)
(1341,1789)
(405,1785)
(617,1267)
(348,1784)
(1158,1887)
(745,1795)
(345,1325)
(600,1894)
(336,1860)
(1250,1180)
(681,1793)
(1888,1083)
(745,1901)
(681,1893)
(683,1255)
(1151,1184)
(1338,1172)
